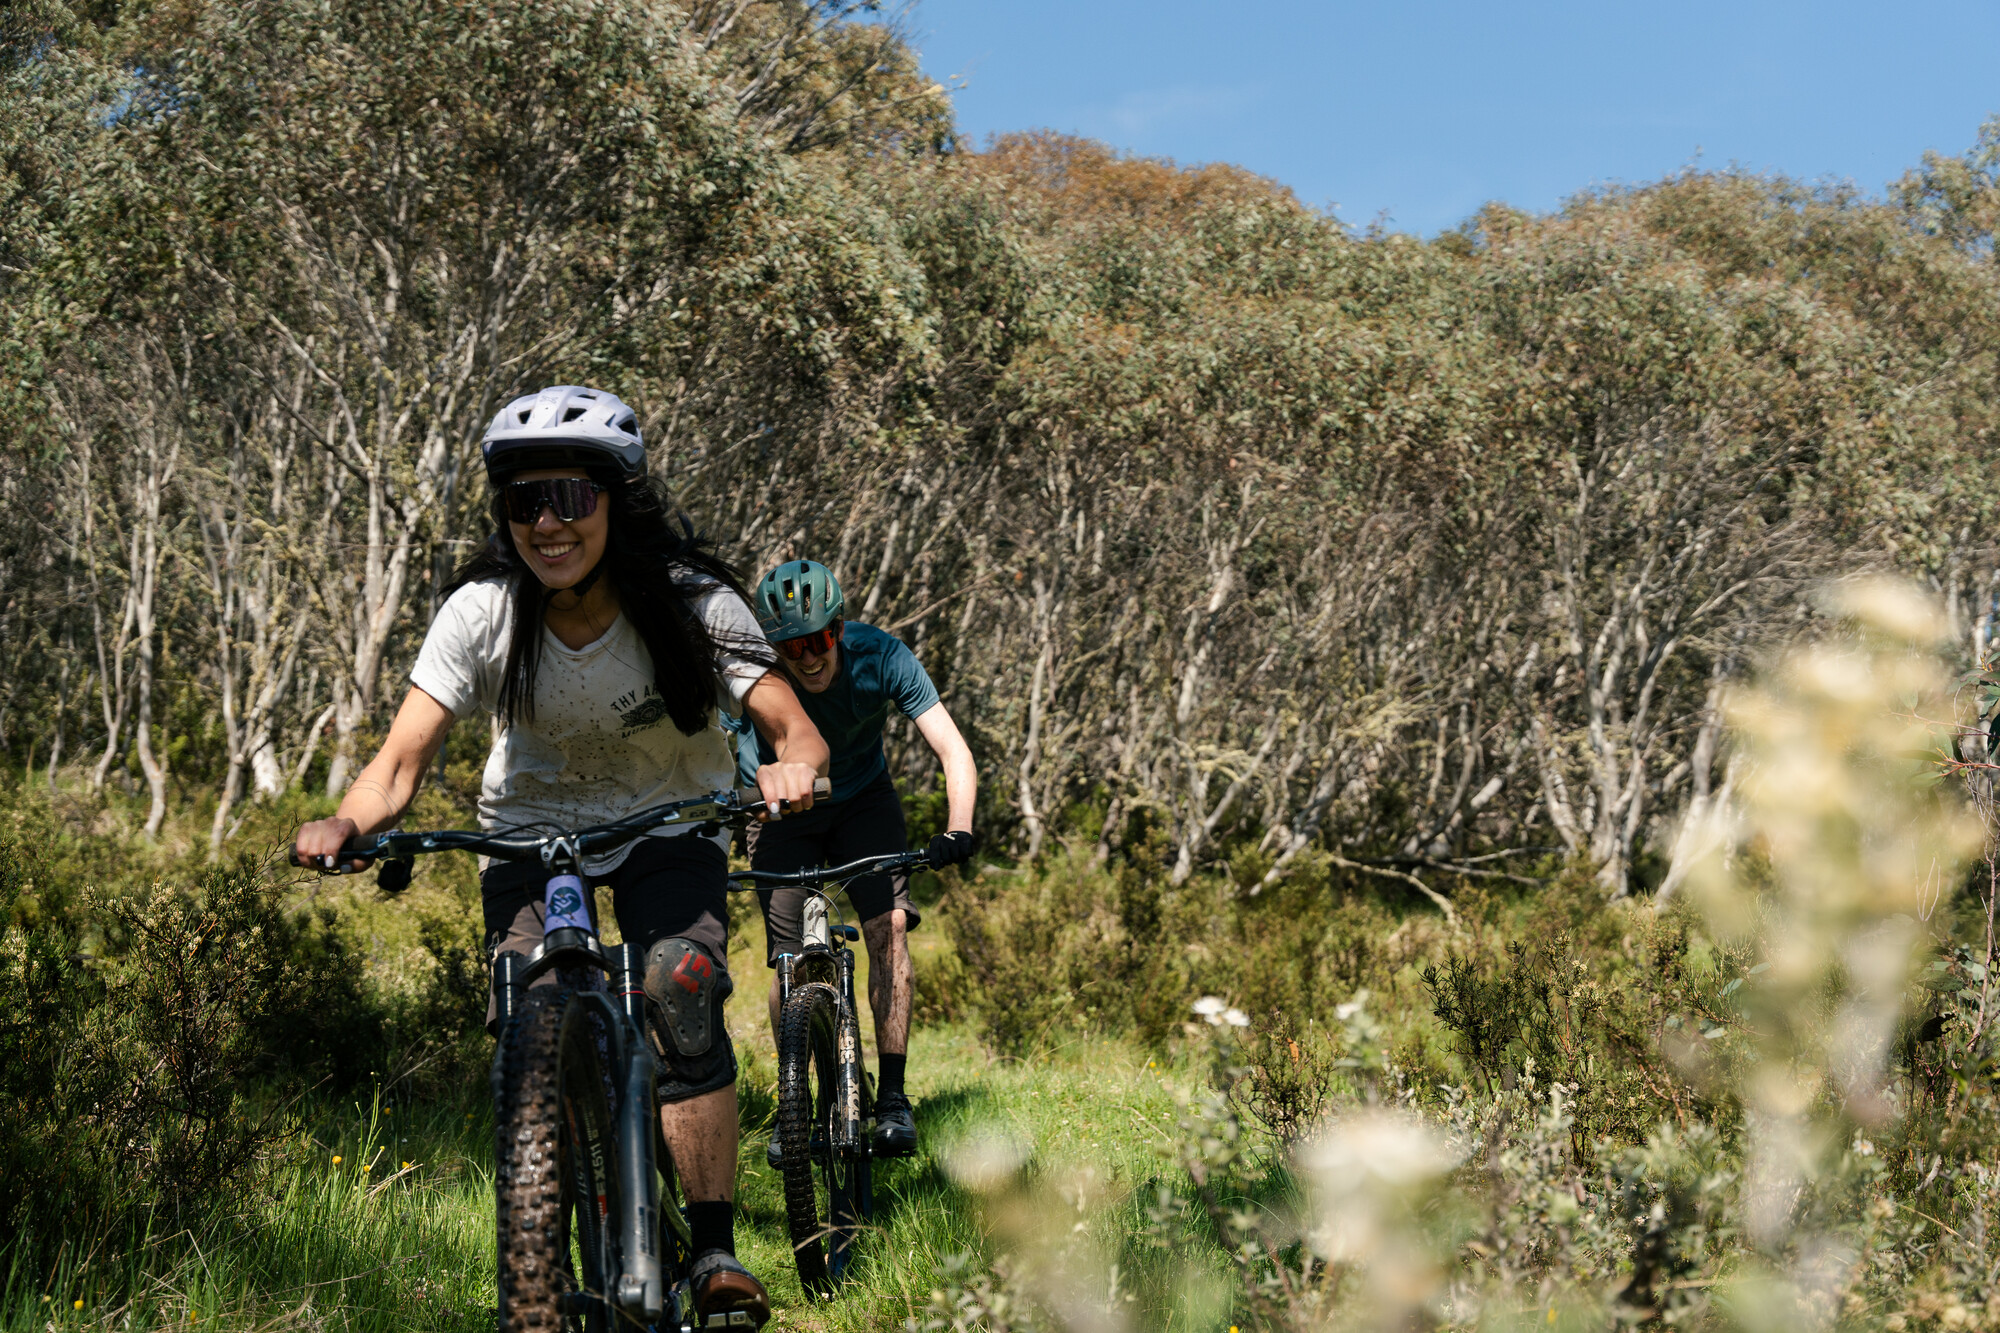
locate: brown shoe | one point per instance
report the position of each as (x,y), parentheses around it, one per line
(726,1294)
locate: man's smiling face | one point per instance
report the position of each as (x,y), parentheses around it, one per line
(814,670)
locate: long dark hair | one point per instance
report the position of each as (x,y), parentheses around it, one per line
(658,565)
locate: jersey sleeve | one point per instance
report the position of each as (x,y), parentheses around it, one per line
(905,680)
(465,650)
(737,636)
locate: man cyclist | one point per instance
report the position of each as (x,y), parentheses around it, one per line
(848,677)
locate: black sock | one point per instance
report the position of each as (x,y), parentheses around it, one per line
(713,1226)
(891,1082)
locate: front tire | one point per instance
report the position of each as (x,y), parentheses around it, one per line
(555,1185)
(820,1182)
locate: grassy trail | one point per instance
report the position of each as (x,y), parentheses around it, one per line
(380,1216)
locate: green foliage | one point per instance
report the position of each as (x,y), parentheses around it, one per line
(1312,539)
(159,1033)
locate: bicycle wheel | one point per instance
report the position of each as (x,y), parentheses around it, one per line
(554,1183)
(820,1183)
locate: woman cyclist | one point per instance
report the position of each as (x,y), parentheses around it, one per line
(608,640)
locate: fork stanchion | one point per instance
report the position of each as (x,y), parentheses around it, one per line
(629,982)
(507,985)
(848,1040)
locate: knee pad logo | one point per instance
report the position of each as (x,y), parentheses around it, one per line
(685,988)
(693,971)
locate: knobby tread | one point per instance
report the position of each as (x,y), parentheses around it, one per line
(528,1186)
(805,1039)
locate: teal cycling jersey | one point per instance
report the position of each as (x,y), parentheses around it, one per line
(877,672)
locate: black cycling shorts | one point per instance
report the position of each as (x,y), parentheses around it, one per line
(868,823)
(664,888)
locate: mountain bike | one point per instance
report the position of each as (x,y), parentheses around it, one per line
(587,1203)
(826,1104)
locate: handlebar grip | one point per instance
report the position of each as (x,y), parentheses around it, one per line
(822,788)
(347,854)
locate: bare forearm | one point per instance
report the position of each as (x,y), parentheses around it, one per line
(803,747)
(961,775)
(961,789)
(383,790)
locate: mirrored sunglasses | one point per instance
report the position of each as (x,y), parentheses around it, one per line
(819,641)
(572,498)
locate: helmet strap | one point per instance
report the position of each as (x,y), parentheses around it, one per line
(583,585)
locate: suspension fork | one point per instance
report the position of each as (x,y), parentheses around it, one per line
(641,1292)
(847,1113)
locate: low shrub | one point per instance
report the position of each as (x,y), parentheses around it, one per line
(154,1039)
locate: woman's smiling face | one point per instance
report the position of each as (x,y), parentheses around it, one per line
(560,552)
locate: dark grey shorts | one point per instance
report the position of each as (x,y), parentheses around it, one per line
(666,887)
(868,823)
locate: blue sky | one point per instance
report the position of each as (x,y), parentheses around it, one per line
(1424,111)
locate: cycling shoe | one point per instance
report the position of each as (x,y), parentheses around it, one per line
(726,1294)
(895,1127)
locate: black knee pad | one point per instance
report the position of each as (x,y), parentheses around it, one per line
(685,988)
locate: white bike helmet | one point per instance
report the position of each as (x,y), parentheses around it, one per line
(562,427)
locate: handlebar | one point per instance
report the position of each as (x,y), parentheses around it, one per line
(820,876)
(734,808)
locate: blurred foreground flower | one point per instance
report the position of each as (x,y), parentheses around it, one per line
(1220,1013)
(1833,856)
(1370,1177)
(1054,1268)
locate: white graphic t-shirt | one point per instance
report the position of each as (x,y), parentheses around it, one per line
(600,745)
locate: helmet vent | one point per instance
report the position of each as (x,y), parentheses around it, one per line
(522,416)
(628,424)
(572,415)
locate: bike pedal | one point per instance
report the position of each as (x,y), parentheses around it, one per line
(730,1319)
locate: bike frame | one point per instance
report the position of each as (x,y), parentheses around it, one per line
(641,1147)
(643,1157)
(819,954)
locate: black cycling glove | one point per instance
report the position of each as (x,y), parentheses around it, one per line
(949,849)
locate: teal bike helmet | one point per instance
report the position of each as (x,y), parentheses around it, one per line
(797,598)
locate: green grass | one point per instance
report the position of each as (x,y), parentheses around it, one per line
(367,1243)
